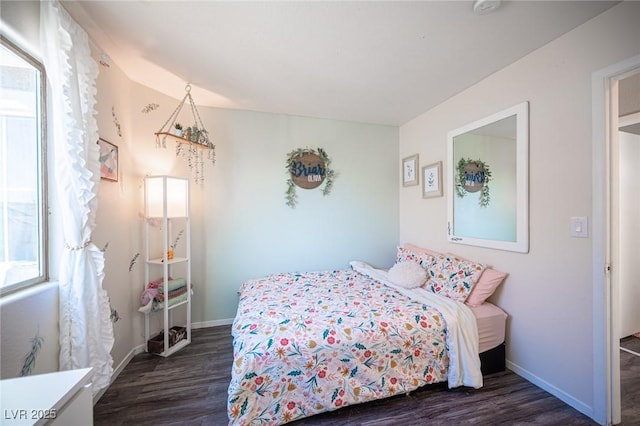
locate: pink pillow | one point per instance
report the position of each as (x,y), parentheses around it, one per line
(487,284)
(485,287)
(421,250)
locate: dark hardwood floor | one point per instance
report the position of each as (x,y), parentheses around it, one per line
(630,381)
(190,388)
(632,343)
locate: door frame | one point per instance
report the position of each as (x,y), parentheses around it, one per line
(606,345)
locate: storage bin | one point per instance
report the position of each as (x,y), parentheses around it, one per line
(156,344)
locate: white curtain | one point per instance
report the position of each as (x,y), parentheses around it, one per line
(86,332)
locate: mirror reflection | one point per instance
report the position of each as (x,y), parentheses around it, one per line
(488,181)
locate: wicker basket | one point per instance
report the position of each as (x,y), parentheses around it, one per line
(156,344)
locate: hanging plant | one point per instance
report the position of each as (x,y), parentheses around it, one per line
(191,141)
(308,169)
(473,176)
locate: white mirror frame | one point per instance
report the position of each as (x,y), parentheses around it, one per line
(521,244)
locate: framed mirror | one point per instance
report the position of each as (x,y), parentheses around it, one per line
(488,181)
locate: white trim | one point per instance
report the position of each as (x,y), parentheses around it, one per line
(16,38)
(546,386)
(606,356)
(27,292)
(628,120)
(629,351)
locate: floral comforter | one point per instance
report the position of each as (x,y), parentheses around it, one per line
(306,343)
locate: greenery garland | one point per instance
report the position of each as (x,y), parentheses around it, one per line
(329,175)
(461,191)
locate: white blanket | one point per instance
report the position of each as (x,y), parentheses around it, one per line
(462,329)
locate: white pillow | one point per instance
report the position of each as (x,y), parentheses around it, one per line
(407,274)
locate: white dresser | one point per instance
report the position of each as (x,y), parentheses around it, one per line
(64,398)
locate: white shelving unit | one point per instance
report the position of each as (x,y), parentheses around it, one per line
(166,219)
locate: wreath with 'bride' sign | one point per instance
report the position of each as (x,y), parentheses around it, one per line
(473,176)
(308,169)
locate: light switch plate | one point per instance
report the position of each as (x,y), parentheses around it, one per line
(579,227)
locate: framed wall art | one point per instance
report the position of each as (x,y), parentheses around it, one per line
(410,170)
(432,180)
(108,158)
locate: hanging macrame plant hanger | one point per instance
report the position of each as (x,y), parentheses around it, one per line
(192,142)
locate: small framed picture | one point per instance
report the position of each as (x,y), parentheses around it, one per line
(432,180)
(108,160)
(410,170)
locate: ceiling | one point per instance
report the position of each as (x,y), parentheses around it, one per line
(382,62)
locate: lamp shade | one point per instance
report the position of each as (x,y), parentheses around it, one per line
(166,195)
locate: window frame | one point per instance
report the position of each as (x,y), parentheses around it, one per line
(43,211)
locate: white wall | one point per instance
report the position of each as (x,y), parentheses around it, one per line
(26,316)
(630,234)
(22,19)
(117,222)
(548,293)
(241,226)
(250,231)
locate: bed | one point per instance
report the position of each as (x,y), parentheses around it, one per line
(305,343)
(492,324)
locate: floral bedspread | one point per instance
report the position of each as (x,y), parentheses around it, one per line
(317,341)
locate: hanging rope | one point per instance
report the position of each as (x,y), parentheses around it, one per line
(196,136)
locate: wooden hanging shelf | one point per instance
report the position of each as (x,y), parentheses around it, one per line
(180,139)
(194,135)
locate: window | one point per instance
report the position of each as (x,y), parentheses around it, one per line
(22,170)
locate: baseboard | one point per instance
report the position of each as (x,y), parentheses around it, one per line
(116,372)
(561,395)
(213,323)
